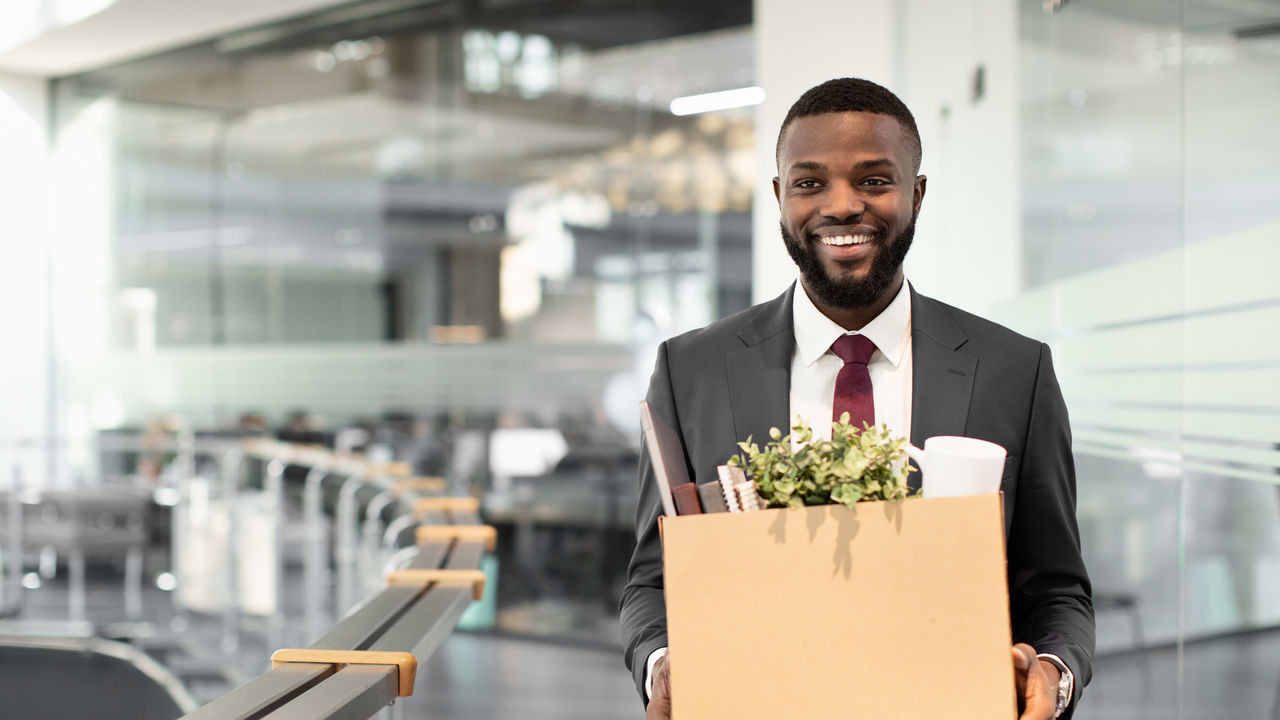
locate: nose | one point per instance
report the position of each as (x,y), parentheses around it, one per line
(842,201)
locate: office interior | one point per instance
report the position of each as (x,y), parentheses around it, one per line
(452,233)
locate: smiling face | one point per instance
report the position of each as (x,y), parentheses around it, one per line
(849,197)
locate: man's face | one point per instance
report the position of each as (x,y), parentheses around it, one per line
(849,198)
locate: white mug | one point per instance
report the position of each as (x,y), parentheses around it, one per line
(955,466)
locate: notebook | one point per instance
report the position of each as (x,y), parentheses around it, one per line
(666,453)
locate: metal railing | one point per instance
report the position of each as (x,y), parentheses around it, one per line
(75,525)
(361,664)
(368,659)
(57,678)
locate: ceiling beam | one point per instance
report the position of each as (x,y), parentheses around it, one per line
(131,29)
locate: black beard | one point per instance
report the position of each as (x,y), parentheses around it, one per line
(850,294)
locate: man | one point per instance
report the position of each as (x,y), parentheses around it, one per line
(849,194)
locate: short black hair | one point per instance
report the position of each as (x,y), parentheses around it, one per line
(853,95)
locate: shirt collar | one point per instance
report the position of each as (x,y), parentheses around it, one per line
(815,332)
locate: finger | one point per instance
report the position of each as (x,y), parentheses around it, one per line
(1021,666)
(662,677)
(1024,657)
(1040,704)
(660,702)
(1036,699)
(659,709)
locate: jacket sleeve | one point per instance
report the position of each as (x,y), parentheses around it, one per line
(643,607)
(1050,597)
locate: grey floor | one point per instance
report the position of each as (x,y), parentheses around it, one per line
(476,677)
(492,677)
(1229,677)
(1235,677)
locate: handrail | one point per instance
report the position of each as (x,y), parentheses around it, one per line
(391,536)
(80,647)
(346,545)
(368,560)
(414,613)
(273,485)
(13,550)
(313,562)
(229,470)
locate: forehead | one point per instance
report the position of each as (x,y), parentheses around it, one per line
(830,137)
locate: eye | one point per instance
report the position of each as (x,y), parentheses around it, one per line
(876,182)
(807,184)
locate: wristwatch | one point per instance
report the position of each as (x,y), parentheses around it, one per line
(1066,682)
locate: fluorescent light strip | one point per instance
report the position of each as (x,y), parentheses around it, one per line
(711,102)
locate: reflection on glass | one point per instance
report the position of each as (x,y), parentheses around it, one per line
(455,245)
(1149,172)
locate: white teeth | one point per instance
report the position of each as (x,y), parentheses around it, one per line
(845,239)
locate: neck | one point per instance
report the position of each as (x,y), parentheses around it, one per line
(856,318)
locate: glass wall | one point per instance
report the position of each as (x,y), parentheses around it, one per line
(1151,236)
(460,233)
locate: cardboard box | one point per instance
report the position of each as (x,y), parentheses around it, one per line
(889,610)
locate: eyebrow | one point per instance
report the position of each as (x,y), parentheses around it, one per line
(811,165)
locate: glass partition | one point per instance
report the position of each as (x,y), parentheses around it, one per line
(1230,440)
(1150,229)
(450,237)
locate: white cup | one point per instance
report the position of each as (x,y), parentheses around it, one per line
(955,466)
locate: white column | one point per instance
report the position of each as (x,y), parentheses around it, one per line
(799,44)
(83,183)
(24,363)
(968,247)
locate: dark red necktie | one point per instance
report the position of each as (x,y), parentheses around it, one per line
(853,384)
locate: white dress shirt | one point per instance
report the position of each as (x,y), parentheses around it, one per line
(814,366)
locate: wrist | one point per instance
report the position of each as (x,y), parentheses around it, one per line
(1065,681)
(1055,675)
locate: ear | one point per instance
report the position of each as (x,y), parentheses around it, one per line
(917,196)
(777,191)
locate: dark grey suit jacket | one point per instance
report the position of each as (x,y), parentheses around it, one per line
(731,379)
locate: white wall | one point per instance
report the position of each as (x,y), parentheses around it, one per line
(24,362)
(967,240)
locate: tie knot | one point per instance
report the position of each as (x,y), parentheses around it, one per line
(853,348)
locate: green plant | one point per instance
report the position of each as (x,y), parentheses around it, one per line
(853,466)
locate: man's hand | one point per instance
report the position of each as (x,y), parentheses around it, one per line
(660,699)
(1037,682)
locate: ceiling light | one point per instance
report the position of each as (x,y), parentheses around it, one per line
(723,100)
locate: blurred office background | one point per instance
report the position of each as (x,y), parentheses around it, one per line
(452,232)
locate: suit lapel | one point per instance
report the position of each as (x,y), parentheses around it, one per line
(759,374)
(942,377)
